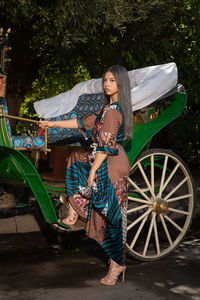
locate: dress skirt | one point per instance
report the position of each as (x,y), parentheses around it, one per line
(105,209)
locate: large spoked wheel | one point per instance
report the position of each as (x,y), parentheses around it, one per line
(160,205)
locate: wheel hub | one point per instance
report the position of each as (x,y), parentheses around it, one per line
(160,206)
(7,201)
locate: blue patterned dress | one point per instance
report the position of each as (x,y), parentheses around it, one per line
(106,208)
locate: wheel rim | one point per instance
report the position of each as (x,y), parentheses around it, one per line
(160,205)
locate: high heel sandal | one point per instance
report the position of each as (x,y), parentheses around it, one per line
(71,218)
(114,271)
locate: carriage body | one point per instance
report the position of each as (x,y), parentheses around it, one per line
(161,192)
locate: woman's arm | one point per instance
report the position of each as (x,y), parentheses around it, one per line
(73,123)
(99,158)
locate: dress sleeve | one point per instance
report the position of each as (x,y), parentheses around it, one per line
(86,125)
(107,135)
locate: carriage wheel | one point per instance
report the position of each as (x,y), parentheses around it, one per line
(160,205)
(7,199)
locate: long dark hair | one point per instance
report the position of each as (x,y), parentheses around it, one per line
(124,97)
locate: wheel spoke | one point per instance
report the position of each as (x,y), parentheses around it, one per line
(166,230)
(140,218)
(152,172)
(146,179)
(156,237)
(170,176)
(176,188)
(179,198)
(173,223)
(163,176)
(139,190)
(138,232)
(149,234)
(178,211)
(137,200)
(136,208)
(146,189)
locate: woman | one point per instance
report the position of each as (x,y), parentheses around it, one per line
(96,180)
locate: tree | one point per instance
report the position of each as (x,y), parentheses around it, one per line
(59,43)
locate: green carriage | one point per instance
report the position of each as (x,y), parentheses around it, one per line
(161,190)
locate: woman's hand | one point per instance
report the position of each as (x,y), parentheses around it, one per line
(44,124)
(99,158)
(91,178)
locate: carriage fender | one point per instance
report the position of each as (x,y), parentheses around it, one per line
(10,156)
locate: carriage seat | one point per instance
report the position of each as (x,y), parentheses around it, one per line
(86,104)
(17,141)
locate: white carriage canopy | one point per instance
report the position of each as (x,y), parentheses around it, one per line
(147,85)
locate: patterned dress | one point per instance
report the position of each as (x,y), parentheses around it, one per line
(105,205)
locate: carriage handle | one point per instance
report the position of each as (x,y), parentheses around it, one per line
(32,121)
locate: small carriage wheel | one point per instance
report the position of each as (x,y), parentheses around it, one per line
(8,201)
(160,206)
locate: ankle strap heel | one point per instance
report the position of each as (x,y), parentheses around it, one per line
(113,274)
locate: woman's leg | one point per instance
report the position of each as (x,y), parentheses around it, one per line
(114,272)
(77,172)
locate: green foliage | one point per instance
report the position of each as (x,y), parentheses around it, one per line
(185,136)
(51,82)
(59,43)
(182,135)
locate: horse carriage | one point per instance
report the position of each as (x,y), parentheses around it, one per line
(161,191)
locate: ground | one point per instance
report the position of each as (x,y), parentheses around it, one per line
(48,266)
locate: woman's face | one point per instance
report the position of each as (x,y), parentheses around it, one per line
(110,84)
